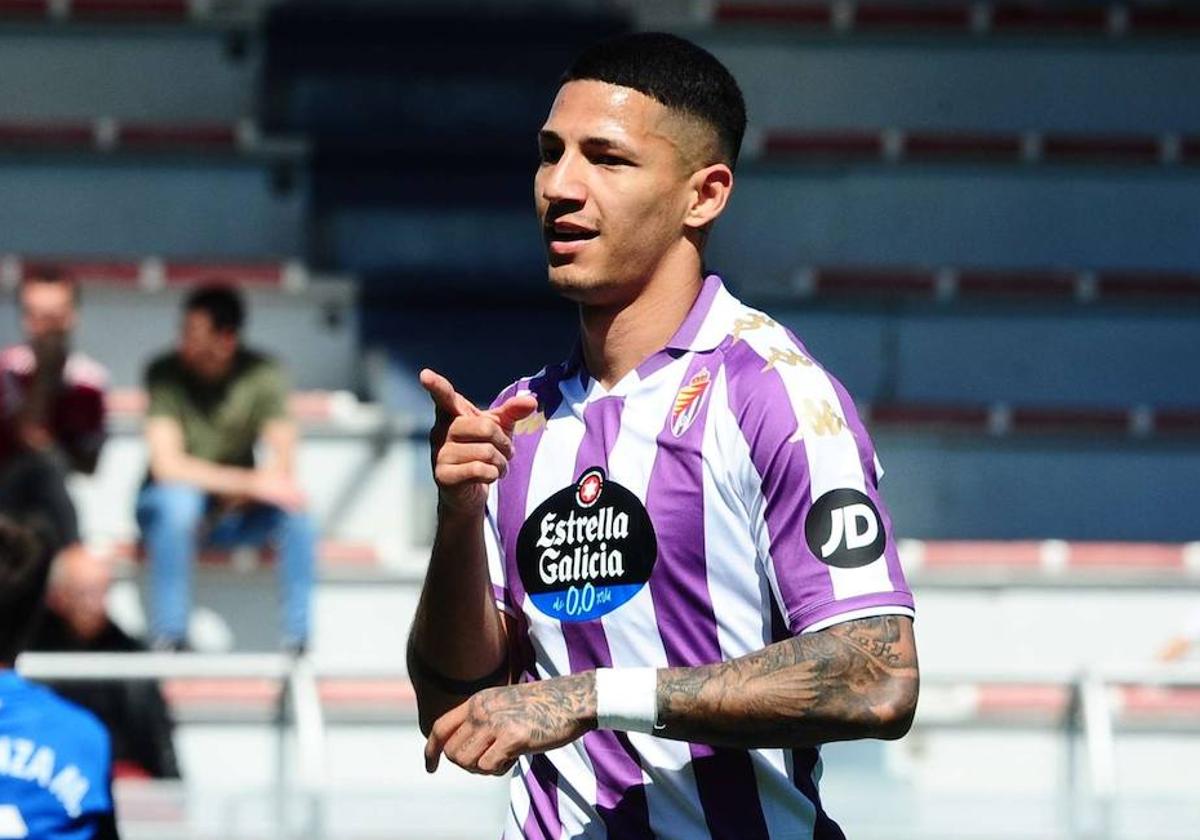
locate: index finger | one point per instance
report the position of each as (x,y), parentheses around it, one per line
(445,398)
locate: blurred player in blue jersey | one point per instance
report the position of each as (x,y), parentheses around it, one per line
(55,759)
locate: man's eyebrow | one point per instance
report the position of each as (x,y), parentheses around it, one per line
(592,142)
(606,143)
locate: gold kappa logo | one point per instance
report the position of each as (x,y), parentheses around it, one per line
(785,356)
(530,424)
(753,321)
(820,418)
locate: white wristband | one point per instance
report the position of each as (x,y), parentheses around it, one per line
(627,699)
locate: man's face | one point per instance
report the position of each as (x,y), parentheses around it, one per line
(78,592)
(205,350)
(47,309)
(611,190)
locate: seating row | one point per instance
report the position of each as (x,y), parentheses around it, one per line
(988,284)
(241,12)
(392,698)
(995,18)
(946,283)
(1031,147)
(153,273)
(342,409)
(108,135)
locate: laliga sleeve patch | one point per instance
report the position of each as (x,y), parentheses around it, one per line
(587,549)
(843,529)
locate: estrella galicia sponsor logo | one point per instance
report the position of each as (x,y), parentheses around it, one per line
(843,529)
(587,549)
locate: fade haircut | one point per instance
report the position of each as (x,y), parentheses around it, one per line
(221,303)
(23,570)
(675,73)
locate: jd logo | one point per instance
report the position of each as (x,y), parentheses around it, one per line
(843,529)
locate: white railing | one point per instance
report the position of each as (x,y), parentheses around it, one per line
(298,708)
(1088,717)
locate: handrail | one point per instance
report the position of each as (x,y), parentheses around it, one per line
(298,694)
(150,665)
(1088,712)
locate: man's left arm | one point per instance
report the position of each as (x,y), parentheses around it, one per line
(83,446)
(280,438)
(857,679)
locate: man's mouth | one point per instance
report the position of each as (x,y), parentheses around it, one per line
(561,232)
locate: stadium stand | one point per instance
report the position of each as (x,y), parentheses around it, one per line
(980,215)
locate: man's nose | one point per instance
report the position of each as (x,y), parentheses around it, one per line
(563,181)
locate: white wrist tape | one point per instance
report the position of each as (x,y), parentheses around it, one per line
(627,699)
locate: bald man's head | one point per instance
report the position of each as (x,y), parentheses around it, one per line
(78,589)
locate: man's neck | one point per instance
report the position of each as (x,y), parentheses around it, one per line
(618,338)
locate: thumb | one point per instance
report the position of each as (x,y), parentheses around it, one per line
(514,409)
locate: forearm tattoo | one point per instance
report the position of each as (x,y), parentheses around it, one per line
(853,680)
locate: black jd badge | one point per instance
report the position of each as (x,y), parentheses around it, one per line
(843,529)
(587,549)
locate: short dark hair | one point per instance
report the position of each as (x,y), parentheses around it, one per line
(24,567)
(48,273)
(221,303)
(674,72)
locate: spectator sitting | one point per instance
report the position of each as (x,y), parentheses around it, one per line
(58,783)
(134,711)
(210,402)
(51,411)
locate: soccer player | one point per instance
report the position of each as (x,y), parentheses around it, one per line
(662,575)
(55,760)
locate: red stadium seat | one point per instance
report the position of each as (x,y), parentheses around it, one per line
(1001,18)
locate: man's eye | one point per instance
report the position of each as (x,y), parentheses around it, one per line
(611,160)
(548,155)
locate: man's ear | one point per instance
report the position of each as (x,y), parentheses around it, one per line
(711,187)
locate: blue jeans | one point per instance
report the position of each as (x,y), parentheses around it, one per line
(174,528)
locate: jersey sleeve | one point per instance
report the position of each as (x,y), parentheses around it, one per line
(809,483)
(273,391)
(162,397)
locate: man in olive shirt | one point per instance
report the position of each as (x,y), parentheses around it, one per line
(211,401)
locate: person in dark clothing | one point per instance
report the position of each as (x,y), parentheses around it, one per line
(51,411)
(56,776)
(133,711)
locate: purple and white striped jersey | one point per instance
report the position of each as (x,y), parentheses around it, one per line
(721,497)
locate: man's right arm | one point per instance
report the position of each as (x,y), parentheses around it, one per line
(170,463)
(458,641)
(33,418)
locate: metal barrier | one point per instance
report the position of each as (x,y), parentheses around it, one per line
(1083,704)
(298,707)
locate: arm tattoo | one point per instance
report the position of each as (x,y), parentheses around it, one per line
(547,710)
(853,680)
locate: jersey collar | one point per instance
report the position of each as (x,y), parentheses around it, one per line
(708,322)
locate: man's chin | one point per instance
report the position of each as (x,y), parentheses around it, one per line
(582,287)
